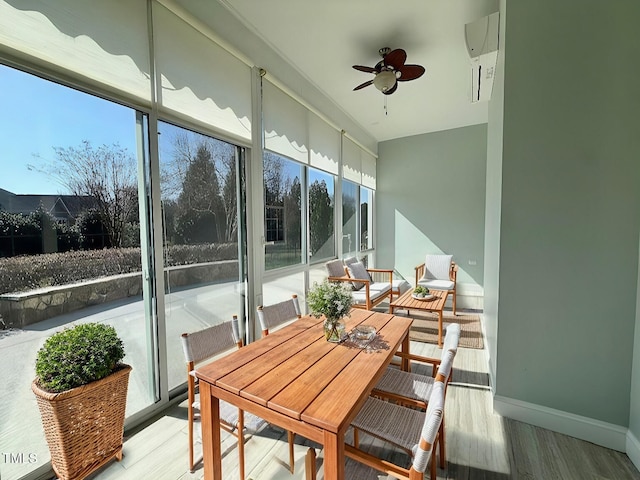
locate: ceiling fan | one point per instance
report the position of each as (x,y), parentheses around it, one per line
(390,70)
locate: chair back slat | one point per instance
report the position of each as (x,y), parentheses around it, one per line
(446,363)
(235,327)
(206,343)
(437,267)
(451,338)
(270,316)
(432,421)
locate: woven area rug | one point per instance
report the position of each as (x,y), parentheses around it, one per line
(425,328)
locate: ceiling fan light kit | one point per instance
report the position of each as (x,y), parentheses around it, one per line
(385,81)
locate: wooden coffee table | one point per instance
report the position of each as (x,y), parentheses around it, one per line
(408,303)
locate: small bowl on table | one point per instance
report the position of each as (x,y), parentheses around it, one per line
(364,333)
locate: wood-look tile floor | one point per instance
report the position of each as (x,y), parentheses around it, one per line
(480,444)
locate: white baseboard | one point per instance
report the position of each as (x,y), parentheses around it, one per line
(633,449)
(467,303)
(594,431)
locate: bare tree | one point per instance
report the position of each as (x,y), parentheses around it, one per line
(108,175)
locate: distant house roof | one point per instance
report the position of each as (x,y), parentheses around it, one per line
(56,205)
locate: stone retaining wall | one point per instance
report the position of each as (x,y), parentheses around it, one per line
(18,310)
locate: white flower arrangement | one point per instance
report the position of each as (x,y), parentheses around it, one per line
(331,299)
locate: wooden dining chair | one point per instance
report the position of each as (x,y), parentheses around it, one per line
(371,424)
(418,431)
(271,316)
(412,389)
(199,347)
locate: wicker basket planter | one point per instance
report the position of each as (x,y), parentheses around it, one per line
(84,426)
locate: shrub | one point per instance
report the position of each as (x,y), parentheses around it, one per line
(69,237)
(28,272)
(78,355)
(206,252)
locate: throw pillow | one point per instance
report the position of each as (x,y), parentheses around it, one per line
(357,270)
(349,261)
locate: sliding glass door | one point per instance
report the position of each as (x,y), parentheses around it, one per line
(202,188)
(73,229)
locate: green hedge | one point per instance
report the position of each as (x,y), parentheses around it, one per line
(24,273)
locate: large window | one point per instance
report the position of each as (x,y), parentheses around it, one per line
(205,277)
(349,218)
(72,213)
(321,218)
(283,211)
(366,218)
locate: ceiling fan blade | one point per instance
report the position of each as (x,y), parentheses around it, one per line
(362,68)
(410,72)
(365,84)
(395,58)
(392,89)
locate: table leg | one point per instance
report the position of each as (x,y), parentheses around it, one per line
(210,424)
(310,464)
(333,456)
(440,329)
(406,345)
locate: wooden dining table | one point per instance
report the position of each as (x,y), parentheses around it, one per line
(297,380)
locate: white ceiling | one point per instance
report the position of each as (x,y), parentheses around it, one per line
(322,39)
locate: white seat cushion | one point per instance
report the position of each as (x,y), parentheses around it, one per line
(400,286)
(437,284)
(437,267)
(376,291)
(379,287)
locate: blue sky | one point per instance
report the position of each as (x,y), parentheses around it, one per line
(37,115)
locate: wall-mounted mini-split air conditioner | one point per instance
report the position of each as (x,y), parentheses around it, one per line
(482,44)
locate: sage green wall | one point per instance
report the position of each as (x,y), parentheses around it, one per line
(493,205)
(430,198)
(570,206)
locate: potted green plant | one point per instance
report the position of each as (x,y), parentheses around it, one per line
(81,390)
(333,300)
(420,291)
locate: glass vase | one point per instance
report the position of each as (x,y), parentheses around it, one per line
(334,329)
